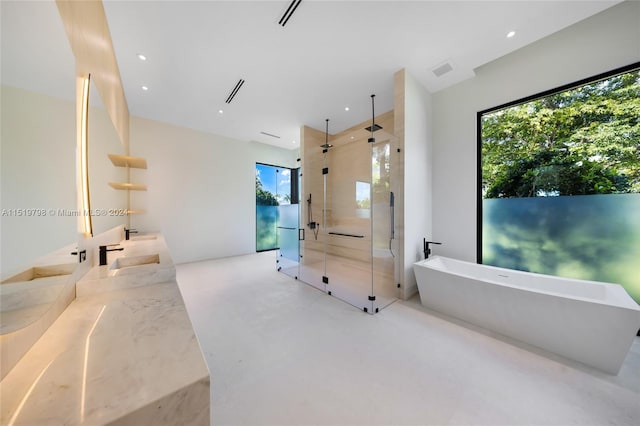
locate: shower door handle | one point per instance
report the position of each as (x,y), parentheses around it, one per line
(393,214)
(301,234)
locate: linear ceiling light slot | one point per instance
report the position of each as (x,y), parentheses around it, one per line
(269,134)
(235,91)
(292,8)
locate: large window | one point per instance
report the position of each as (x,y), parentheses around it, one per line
(560,181)
(273,189)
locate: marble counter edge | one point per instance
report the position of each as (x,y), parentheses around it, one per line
(166,292)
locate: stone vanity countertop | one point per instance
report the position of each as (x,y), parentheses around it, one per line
(150,247)
(124,356)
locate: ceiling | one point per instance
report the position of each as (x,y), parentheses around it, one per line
(35,51)
(329,56)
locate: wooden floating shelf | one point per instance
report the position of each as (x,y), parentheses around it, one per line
(128,186)
(127,161)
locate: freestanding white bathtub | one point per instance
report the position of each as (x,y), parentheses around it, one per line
(587,321)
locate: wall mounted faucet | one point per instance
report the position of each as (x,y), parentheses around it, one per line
(103,253)
(425,245)
(82,255)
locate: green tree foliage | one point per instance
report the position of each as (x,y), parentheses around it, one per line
(582,141)
(264,197)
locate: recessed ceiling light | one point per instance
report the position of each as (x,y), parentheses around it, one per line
(346,108)
(220,111)
(293,141)
(511,34)
(142,57)
(145,88)
(353,137)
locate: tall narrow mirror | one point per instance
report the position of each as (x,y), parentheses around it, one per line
(38,134)
(108,204)
(37,174)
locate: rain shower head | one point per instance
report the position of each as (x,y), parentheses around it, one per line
(374,127)
(326,145)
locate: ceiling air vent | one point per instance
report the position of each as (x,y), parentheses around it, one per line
(292,8)
(441,70)
(234,92)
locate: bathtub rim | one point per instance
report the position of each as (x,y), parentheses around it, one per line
(613,295)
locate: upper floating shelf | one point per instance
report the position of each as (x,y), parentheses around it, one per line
(127,161)
(131,186)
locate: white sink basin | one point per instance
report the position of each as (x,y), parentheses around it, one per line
(38,272)
(127,262)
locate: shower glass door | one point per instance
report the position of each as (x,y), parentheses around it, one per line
(382,226)
(347,228)
(288,229)
(312,261)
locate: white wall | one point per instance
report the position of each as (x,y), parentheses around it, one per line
(417,176)
(37,172)
(603,42)
(201,188)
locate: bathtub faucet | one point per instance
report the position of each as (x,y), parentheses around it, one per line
(425,245)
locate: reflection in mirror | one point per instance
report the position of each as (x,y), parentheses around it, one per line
(38,195)
(108,205)
(38,135)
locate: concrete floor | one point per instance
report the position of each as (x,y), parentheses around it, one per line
(350,280)
(283,353)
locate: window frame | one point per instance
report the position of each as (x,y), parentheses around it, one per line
(479,198)
(293,195)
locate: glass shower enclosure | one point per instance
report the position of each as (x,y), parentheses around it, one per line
(340,237)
